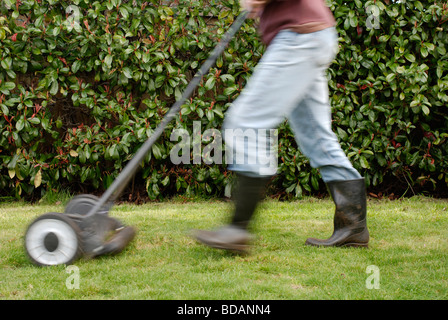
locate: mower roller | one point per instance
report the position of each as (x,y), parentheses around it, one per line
(85,228)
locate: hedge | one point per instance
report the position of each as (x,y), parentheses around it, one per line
(84,83)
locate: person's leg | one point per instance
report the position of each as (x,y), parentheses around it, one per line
(281,79)
(311,123)
(235,235)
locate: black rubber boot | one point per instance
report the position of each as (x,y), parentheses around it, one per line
(249,193)
(234,236)
(350,223)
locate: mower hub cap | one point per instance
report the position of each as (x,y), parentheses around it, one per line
(51,242)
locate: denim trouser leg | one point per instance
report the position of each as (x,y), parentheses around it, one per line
(289,82)
(311,124)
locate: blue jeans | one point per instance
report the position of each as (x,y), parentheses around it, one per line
(288,83)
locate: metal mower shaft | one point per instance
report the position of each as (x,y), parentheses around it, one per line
(114,191)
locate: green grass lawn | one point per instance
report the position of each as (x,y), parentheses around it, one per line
(408,251)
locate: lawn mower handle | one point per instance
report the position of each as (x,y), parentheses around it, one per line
(116,188)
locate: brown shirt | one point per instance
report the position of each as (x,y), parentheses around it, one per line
(302,16)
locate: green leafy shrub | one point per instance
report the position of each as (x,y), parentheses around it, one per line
(389,91)
(84,83)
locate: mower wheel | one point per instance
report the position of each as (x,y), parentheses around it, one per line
(81,204)
(53,239)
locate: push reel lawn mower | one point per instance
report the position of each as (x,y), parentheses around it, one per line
(85,228)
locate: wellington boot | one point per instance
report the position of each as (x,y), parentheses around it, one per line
(228,237)
(350,224)
(235,235)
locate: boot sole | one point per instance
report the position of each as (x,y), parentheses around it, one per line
(355,245)
(344,245)
(210,239)
(237,248)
